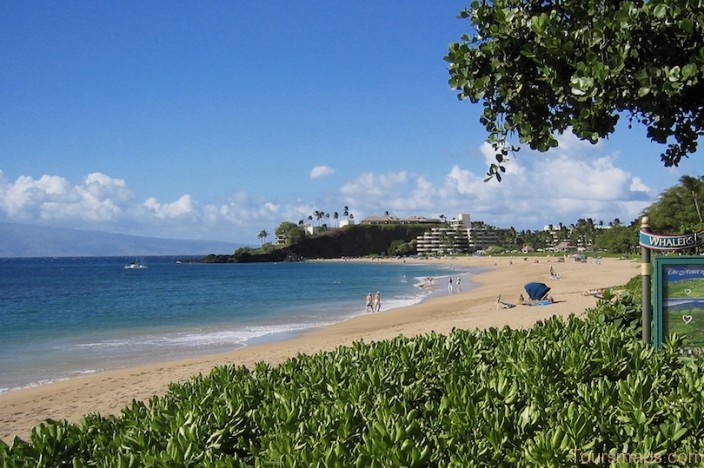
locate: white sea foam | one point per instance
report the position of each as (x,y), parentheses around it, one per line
(37,383)
(199,337)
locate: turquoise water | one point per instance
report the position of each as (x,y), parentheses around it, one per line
(65,317)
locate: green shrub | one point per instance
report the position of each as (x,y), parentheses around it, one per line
(497,397)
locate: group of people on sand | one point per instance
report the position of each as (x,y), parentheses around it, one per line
(373,302)
(452,285)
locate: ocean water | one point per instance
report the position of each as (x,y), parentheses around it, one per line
(66,317)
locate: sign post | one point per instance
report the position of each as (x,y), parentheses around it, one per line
(647,315)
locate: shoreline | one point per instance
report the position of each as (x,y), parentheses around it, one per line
(132,345)
(108,392)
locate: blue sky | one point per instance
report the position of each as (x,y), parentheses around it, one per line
(215,120)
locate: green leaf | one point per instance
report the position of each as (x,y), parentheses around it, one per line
(686,25)
(660,11)
(689,70)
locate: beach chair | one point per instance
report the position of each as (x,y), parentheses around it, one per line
(503,304)
(602,294)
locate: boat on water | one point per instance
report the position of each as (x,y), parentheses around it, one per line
(135,265)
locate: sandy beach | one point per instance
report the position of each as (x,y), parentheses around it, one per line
(474,307)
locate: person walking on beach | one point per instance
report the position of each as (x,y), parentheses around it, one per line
(377,301)
(449,285)
(369,307)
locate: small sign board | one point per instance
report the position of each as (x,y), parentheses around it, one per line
(679,301)
(658,242)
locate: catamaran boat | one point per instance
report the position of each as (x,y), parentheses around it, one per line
(135,265)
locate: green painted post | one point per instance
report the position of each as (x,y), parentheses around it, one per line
(646,279)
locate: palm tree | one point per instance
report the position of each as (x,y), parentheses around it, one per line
(513,237)
(335,216)
(262,235)
(693,186)
(346,212)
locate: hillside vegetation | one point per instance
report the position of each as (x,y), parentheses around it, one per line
(351,241)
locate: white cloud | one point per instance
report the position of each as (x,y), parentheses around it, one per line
(576,180)
(21,198)
(589,180)
(373,193)
(461,182)
(181,207)
(573,181)
(637,185)
(98,198)
(98,179)
(321,171)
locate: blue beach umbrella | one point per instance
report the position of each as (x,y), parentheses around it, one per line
(537,291)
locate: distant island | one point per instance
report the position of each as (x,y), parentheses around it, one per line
(25,240)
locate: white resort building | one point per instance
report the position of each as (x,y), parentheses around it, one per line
(459,235)
(450,238)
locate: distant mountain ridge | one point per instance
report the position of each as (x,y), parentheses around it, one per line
(23,240)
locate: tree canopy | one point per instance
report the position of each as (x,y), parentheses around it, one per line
(542,67)
(291,232)
(678,209)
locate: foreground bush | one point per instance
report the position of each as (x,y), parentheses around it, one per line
(564,391)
